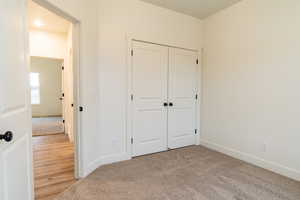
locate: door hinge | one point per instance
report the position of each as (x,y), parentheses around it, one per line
(196,97)
(131,52)
(131,97)
(62,67)
(197,61)
(63,94)
(196,131)
(131,140)
(64,121)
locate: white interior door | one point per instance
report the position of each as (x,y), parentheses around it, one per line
(149,81)
(182,98)
(16,155)
(69,87)
(63,88)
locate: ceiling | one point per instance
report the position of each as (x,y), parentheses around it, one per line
(48,21)
(196,8)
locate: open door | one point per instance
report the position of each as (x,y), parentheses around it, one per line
(15,124)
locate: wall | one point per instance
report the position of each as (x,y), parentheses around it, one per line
(141,21)
(86,14)
(50,86)
(103,85)
(47,44)
(250,103)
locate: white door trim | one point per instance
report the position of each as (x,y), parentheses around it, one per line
(129,133)
(79,173)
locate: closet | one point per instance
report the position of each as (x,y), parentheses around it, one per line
(164,97)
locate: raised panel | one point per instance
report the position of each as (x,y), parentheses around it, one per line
(12,90)
(149,71)
(15,161)
(180,115)
(152,123)
(182,74)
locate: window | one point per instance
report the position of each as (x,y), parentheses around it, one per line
(35,88)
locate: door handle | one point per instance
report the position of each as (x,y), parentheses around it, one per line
(165,104)
(8,136)
(171,104)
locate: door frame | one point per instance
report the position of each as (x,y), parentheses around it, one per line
(78,161)
(130,38)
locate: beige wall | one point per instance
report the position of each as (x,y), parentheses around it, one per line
(251,74)
(86,12)
(47,44)
(118,19)
(47,50)
(103,28)
(50,74)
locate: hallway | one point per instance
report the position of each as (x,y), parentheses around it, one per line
(53,165)
(42,126)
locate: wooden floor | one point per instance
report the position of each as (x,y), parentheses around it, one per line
(53,165)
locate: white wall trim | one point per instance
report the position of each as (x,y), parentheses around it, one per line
(91,167)
(114,158)
(104,161)
(77,100)
(274,167)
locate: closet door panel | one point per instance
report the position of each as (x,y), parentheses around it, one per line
(149,72)
(182,93)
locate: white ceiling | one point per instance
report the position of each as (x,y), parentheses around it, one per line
(51,21)
(196,8)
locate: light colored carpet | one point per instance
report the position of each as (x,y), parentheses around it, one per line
(47,126)
(193,173)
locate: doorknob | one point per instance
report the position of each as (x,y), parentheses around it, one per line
(8,136)
(170,104)
(165,104)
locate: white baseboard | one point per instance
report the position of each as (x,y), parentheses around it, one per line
(274,167)
(114,158)
(104,160)
(277,168)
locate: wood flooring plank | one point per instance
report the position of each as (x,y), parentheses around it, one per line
(52,190)
(53,157)
(54,179)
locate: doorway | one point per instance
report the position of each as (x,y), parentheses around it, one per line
(46,96)
(53,100)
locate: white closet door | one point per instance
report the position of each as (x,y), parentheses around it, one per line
(149,72)
(182,98)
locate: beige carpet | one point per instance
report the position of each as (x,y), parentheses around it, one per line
(193,173)
(47,126)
